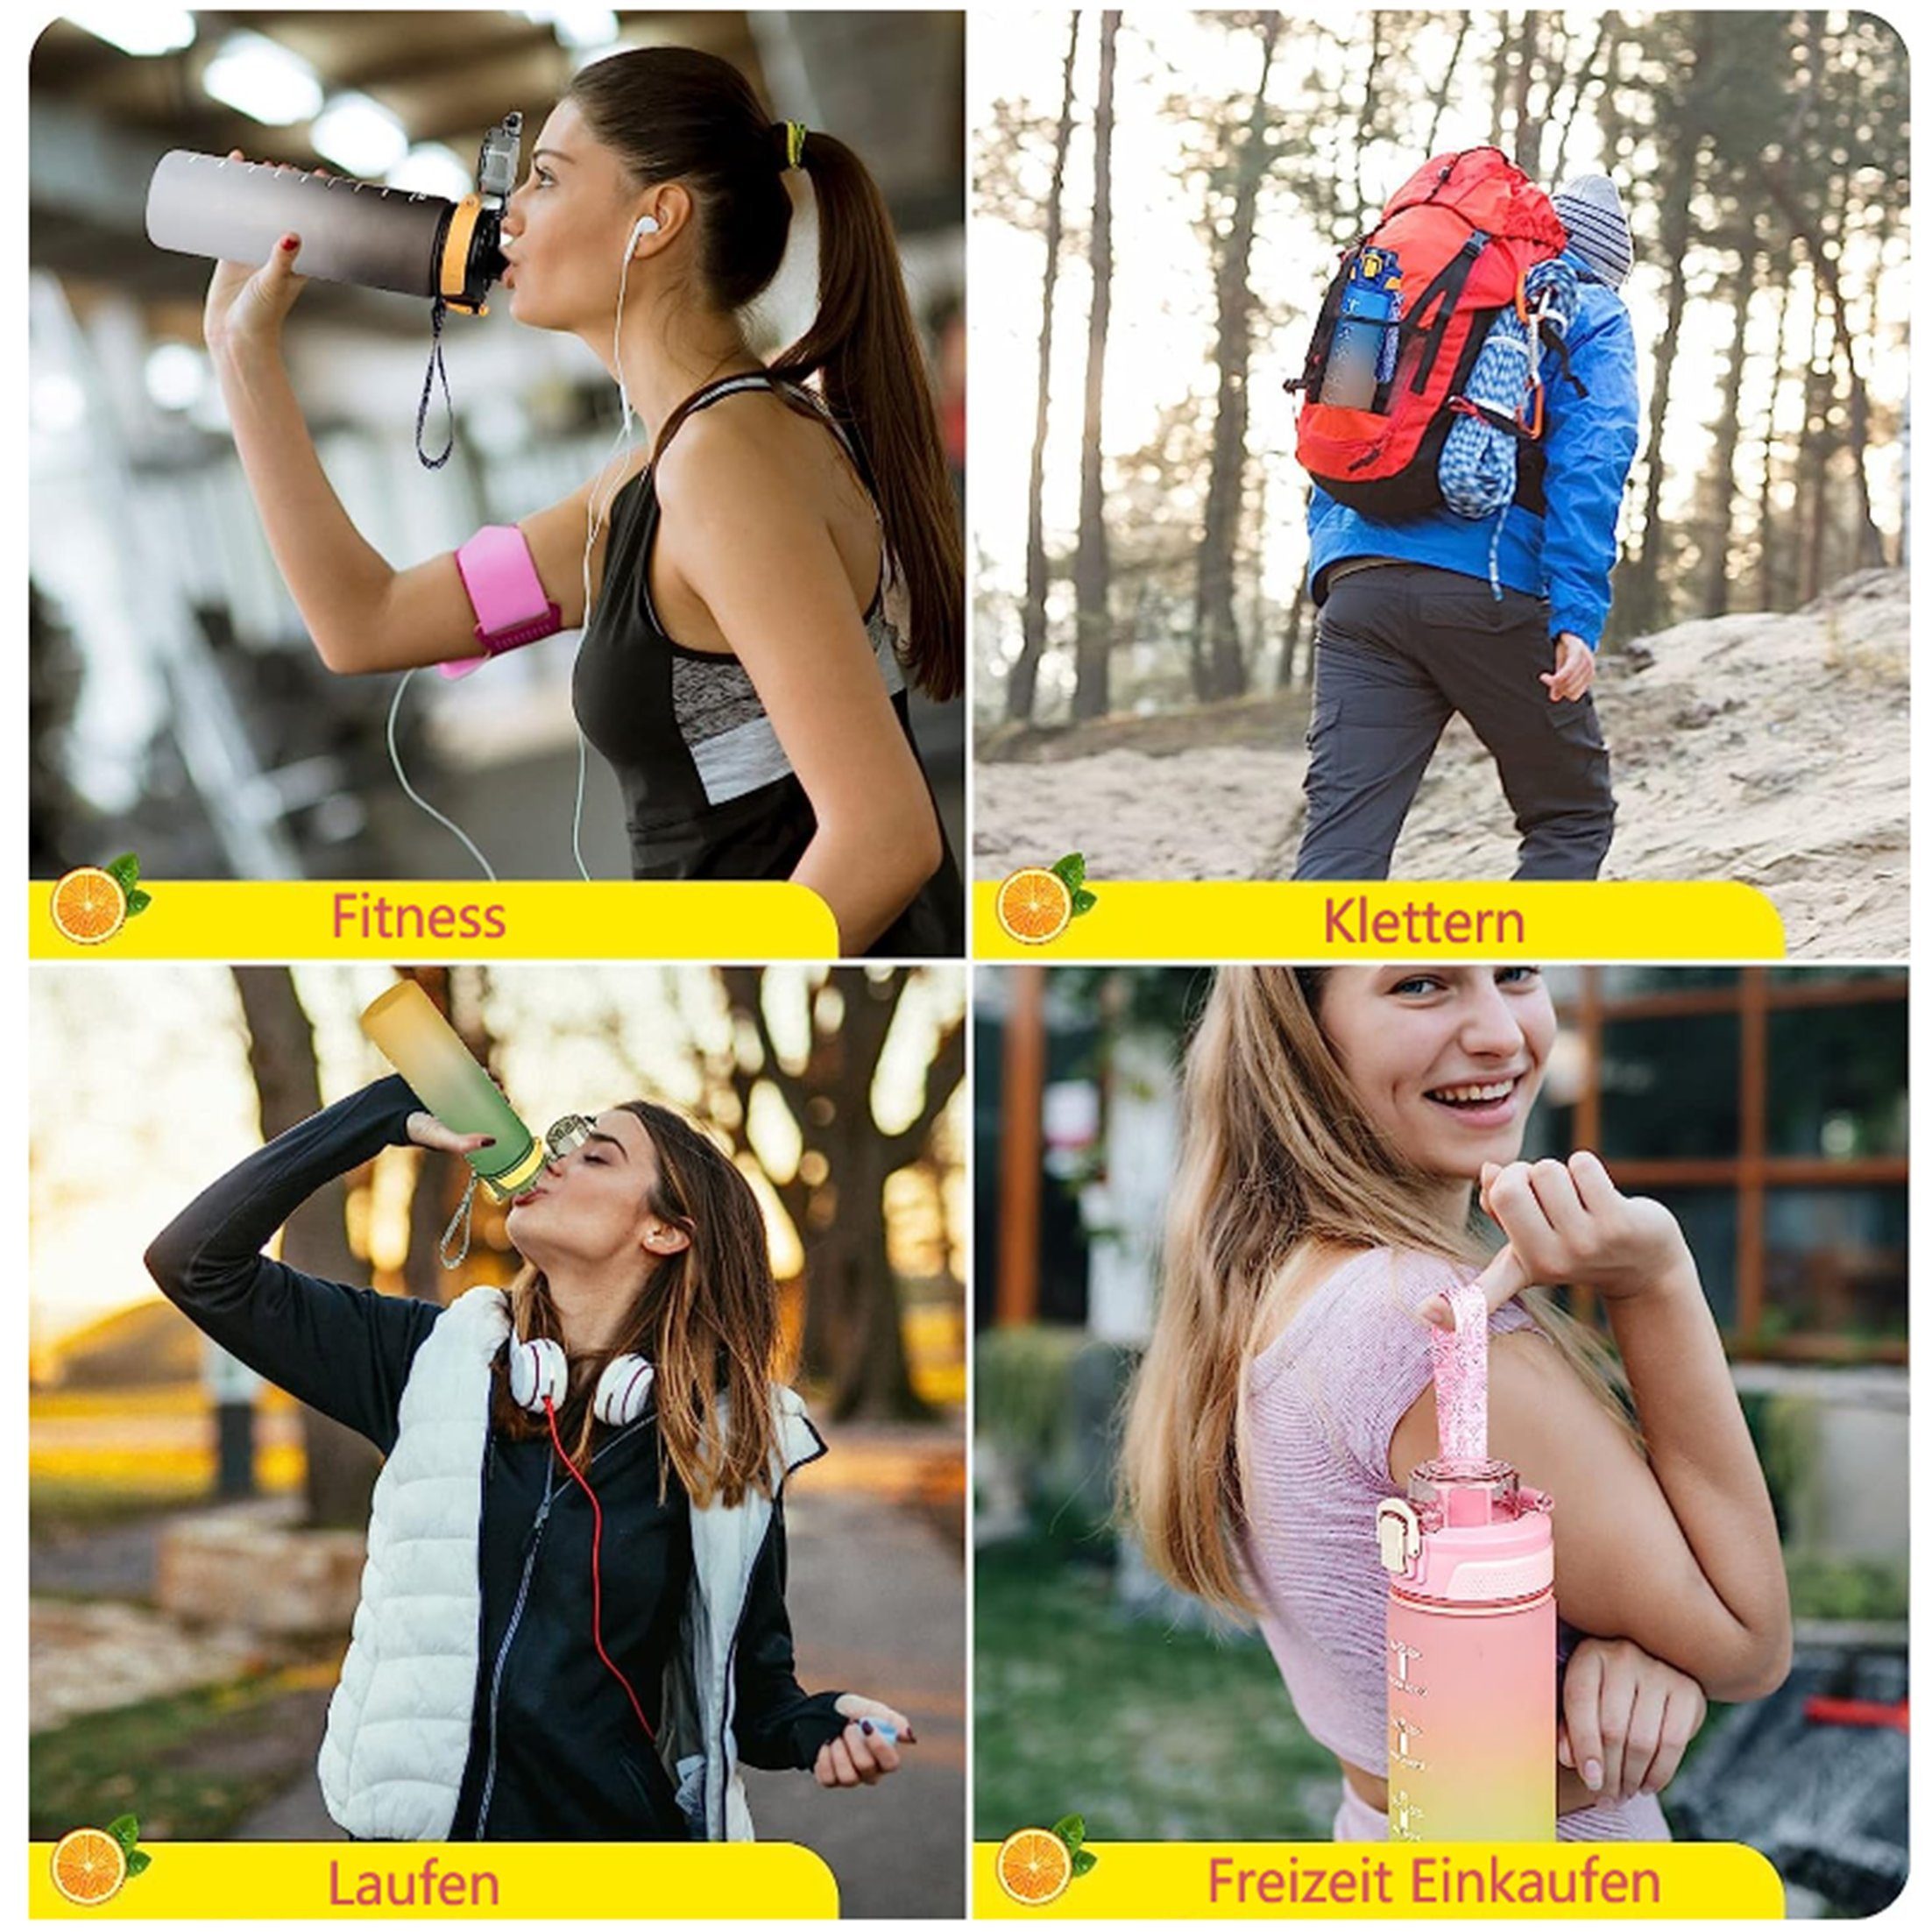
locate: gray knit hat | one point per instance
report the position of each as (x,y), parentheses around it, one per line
(1592,212)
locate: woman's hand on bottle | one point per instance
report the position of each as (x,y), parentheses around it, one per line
(245,306)
(860,1754)
(1567,1222)
(1627,1718)
(424,1129)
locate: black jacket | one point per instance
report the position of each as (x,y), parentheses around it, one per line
(556,1751)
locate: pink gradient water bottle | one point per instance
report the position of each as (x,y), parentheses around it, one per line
(1472,1627)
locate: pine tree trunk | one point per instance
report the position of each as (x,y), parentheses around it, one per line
(1653,602)
(1093,643)
(1023,681)
(1527,131)
(1768,597)
(1215,626)
(1584,78)
(1725,457)
(1814,462)
(1446,90)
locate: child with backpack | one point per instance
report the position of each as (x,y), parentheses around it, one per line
(1471,419)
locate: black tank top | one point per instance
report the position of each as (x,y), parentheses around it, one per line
(708,791)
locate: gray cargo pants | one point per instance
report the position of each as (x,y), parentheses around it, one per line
(1400,648)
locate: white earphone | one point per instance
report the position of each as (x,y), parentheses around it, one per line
(539,1372)
(645,224)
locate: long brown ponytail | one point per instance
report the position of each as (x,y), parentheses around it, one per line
(865,350)
(672,112)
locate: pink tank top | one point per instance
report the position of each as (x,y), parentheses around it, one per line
(1324,1399)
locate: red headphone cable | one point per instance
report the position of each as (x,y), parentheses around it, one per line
(597,1579)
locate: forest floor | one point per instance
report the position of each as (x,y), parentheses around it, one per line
(1768,748)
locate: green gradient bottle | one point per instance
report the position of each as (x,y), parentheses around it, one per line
(425,1048)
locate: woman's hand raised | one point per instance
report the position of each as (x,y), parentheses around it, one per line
(860,1754)
(245,307)
(425,1130)
(1568,1223)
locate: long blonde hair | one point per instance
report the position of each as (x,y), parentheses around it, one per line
(1277,1152)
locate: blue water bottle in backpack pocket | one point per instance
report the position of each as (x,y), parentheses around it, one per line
(1361,350)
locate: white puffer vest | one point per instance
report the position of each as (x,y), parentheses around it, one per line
(398,1739)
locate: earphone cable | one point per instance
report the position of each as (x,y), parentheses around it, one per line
(577,809)
(597,1579)
(415,797)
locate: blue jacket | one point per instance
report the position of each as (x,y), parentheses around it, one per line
(1590,442)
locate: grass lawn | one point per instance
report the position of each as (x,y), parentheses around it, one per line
(189,1766)
(1149,1732)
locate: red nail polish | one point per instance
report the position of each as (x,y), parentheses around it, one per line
(290,243)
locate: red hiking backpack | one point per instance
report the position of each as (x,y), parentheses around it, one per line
(1465,228)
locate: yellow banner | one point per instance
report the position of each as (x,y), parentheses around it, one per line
(424,921)
(1132,1881)
(1622,919)
(456,1882)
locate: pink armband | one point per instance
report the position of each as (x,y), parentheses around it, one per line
(504,592)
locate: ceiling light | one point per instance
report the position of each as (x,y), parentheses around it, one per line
(431,168)
(137,30)
(57,404)
(576,27)
(175,375)
(267,82)
(360,135)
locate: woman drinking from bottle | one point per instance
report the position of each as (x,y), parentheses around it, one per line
(573,1619)
(761,582)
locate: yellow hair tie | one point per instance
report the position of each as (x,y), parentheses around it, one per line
(794,143)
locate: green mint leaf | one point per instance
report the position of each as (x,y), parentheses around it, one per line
(138,1861)
(123,871)
(1084,901)
(1071,871)
(125,1830)
(138,901)
(1084,1862)
(1070,1830)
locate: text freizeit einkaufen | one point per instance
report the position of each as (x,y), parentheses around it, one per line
(1440,1878)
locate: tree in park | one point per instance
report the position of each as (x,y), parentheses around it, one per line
(339,1465)
(834,1194)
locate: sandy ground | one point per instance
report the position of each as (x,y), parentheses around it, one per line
(1769,749)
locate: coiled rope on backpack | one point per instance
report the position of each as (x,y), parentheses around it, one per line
(1502,403)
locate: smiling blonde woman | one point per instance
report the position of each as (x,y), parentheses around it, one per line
(1341,1124)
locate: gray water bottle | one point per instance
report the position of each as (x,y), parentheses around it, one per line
(351,231)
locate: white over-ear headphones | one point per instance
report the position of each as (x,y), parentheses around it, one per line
(539,1372)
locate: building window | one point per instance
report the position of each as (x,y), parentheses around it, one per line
(1766,1109)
